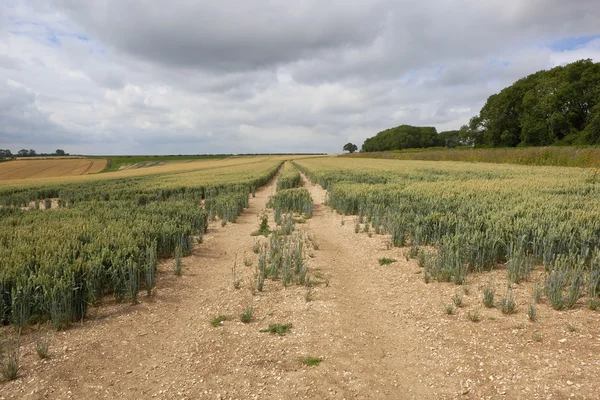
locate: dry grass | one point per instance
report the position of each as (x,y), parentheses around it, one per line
(47,168)
(227,166)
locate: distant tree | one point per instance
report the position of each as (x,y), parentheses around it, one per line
(23,153)
(402,137)
(59,152)
(350,147)
(32,153)
(449,139)
(5,153)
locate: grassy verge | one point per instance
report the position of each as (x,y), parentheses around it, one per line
(585,157)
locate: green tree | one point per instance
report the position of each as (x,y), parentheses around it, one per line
(59,152)
(23,153)
(558,106)
(350,147)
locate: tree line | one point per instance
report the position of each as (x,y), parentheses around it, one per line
(410,137)
(7,154)
(560,106)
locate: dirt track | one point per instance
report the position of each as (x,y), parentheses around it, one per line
(381,331)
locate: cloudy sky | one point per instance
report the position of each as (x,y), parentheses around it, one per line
(237,76)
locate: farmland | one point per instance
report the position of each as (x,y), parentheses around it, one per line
(43,168)
(379,270)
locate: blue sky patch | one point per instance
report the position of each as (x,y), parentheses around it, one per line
(572,42)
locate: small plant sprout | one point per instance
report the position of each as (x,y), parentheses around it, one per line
(449,309)
(9,362)
(263,227)
(256,247)
(474,316)
(234,279)
(42,344)
(279,329)
(177,265)
(308,294)
(571,328)
(537,293)
(311,361)
(531,312)
(218,320)
(537,336)
(488,295)
(386,261)
(507,303)
(457,300)
(248,315)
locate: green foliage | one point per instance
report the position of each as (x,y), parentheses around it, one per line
(263,228)
(311,361)
(401,137)
(289,179)
(279,329)
(350,147)
(42,344)
(102,240)
(488,295)
(248,315)
(508,304)
(457,300)
(292,201)
(218,320)
(10,355)
(386,261)
(471,218)
(532,313)
(177,263)
(558,106)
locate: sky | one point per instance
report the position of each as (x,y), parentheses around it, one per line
(104,77)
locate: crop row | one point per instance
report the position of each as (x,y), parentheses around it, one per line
(290,177)
(106,238)
(477,217)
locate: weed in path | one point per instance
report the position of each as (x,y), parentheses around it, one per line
(457,300)
(218,320)
(234,279)
(532,313)
(449,309)
(9,362)
(263,228)
(280,329)
(474,316)
(311,361)
(488,295)
(42,344)
(248,315)
(508,304)
(386,261)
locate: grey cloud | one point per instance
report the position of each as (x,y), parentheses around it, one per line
(192,77)
(235,35)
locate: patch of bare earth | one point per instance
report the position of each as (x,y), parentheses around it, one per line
(381,330)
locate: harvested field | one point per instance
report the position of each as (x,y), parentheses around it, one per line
(47,168)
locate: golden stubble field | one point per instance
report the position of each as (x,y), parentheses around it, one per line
(46,168)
